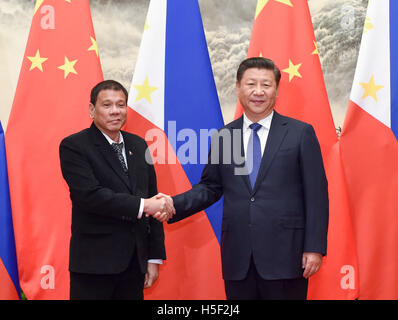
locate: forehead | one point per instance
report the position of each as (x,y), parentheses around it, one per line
(110,94)
(260,74)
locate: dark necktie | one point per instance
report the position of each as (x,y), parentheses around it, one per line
(118,148)
(254,152)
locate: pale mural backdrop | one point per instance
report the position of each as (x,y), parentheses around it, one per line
(119,24)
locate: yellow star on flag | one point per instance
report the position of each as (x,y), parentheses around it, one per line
(37,5)
(287,2)
(368,25)
(316,48)
(371,89)
(261,4)
(293,70)
(144,91)
(68,67)
(68,1)
(94,46)
(37,61)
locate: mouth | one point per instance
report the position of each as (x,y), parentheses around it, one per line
(257,102)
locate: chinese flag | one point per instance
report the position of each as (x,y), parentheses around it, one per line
(283,32)
(369,150)
(59,68)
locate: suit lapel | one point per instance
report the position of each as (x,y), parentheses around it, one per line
(109,155)
(131,155)
(276,135)
(239,144)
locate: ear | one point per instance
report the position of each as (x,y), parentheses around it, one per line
(91,109)
(237,88)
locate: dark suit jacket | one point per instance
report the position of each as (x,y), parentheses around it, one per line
(105,204)
(284,215)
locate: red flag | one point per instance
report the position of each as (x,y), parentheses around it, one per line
(59,68)
(283,32)
(369,149)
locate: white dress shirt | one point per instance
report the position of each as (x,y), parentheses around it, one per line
(262,132)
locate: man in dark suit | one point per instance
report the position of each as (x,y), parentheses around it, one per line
(112,189)
(275,216)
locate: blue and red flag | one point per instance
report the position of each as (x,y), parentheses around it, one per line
(369,149)
(9,281)
(174,104)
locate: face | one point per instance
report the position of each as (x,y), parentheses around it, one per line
(257,93)
(110,112)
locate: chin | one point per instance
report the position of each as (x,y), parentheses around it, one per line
(114,128)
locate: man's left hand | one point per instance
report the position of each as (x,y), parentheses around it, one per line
(311,263)
(151,275)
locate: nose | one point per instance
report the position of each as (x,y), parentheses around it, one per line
(114,109)
(258,90)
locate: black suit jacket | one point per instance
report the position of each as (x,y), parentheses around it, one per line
(105,204)
(284,215)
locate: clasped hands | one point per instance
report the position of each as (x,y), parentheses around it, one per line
(160,207)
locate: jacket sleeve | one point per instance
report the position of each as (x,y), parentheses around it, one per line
(85,190)
(316,198)
(202,195)
(156,233)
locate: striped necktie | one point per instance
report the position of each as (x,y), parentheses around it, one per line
(254,152)
(118,148)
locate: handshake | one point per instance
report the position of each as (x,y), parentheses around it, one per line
(160,207)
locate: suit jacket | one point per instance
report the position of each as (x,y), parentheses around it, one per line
(284,215)
(105,204)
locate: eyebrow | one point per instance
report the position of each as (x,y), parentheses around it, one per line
(118,101)
(265,80)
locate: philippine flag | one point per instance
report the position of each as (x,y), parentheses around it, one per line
(369,150)
(175,108)
(9,280)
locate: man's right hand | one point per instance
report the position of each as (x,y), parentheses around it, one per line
(159,207)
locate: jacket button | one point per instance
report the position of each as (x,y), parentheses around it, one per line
(252,199)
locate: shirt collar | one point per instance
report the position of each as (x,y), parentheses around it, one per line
(110,140)
(265,122)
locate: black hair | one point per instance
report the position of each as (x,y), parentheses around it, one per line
(106,85)
(258,63)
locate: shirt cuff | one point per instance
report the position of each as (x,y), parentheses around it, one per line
(141,210)
(157,261)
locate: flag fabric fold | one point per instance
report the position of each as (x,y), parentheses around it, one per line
(174,104)
(9,280)
(369,150)
(302,95)
(59,68)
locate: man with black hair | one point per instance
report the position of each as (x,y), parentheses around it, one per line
(115,248)
(276,207)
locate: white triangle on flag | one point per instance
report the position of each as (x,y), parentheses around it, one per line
(371,86)
(147,88)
